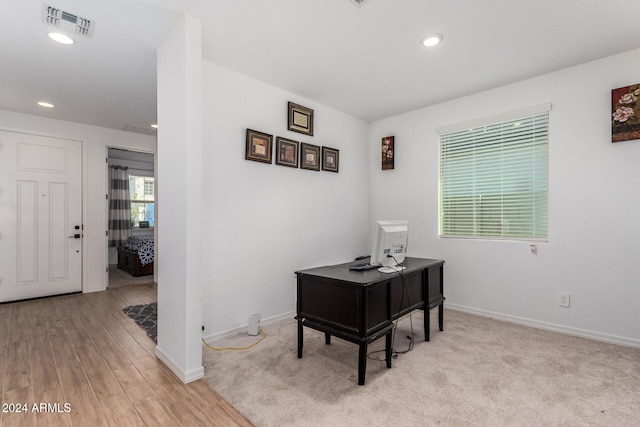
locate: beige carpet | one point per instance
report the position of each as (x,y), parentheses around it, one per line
(478,371)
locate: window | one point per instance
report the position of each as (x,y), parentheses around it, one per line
(142,193)
(493,177)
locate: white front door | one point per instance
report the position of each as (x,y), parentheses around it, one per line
(40,216)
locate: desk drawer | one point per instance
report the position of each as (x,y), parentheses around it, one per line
(357,310)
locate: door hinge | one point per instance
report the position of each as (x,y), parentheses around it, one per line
(106,233)
(106,196)
(106,159)
(107,269)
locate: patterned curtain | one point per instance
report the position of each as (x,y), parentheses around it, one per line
(119,205)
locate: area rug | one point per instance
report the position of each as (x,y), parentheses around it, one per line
(146,316)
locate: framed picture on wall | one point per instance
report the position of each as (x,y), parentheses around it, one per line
(388,152)
(300,119)
(625,113)
(286,152)
(330,159)
(258,146)
(309,157)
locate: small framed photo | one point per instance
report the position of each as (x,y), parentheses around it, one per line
(330,159)
(300,119)
(388,152)
(258,146)
(309,157)
(143,224)
(286,152)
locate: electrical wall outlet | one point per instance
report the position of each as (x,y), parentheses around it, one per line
(564,299)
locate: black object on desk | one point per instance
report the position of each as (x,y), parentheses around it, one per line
(363,266)
(360,306)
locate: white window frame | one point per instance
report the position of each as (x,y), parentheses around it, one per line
(144,199)
(484,197)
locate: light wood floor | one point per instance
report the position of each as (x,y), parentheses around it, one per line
(83,351)
(119,277)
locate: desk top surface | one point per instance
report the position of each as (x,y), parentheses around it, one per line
(341,271)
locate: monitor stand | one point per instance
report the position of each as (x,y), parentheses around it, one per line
(394,269)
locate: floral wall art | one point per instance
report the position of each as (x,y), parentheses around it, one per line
(625,113)
(388,151)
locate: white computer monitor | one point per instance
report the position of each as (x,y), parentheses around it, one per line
(389,246)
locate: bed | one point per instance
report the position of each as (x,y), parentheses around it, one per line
(136,255)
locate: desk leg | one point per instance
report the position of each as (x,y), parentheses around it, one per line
(388,349)
(327,338)
(441,316)
(427,323)
(299,338)
(362,363)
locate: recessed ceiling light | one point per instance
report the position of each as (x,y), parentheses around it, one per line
(154,125)
(45,104)
(432,40)
(61,38)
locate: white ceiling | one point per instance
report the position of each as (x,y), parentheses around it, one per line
(365,61)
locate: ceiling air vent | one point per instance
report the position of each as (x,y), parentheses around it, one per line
(359,2)
(145,130)
(67,21)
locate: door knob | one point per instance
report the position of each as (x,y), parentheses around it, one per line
(75,236)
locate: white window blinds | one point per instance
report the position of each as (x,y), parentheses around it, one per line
(493,178)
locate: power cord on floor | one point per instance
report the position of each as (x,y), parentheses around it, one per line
(236,348)
(261,332)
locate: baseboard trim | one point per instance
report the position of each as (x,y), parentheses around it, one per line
(245,328)
(567,330)
(185,377)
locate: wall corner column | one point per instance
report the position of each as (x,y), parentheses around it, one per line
(179,204)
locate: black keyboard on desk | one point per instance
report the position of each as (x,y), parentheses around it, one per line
(361,267)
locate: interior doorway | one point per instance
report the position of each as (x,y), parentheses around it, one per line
(131,217)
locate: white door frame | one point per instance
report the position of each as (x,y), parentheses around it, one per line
(106,207)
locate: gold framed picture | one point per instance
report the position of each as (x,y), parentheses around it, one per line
(300,119)
(258,146)
(309,157)
(330,159)
(286,152)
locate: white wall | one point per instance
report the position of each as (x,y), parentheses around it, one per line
(95,140)
(263,222)
(594,200)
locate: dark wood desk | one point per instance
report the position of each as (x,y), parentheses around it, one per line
(360,306)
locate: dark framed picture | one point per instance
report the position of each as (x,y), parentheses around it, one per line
(330,159)
(625,113)
(300,119)
(309,157)
(143,224)
(258,146)
(286,152)
(388,152)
